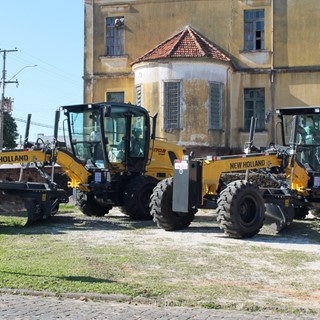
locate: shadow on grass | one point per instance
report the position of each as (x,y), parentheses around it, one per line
(204,223)
(67,222)
(86,279)
(305,231)
(298,232)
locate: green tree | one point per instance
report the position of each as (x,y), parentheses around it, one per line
(10,133)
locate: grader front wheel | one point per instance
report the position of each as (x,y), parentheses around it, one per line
(161,208)
(89,206)
(241,209)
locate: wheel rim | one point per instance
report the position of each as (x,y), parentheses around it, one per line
(248,210)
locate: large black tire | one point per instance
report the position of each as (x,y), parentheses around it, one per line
(241,209)
(34,210)
(300,213)
(54,206)
(37,212)
(89,206)
(136,199)
(161,208)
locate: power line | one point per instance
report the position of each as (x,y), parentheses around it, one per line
(50,69)
(37,124)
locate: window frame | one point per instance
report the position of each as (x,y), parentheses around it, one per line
(219,107)
(114,46)
(254,30)
(174,115)
(258,107)
(115,93)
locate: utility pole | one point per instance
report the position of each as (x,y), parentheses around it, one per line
(4,82)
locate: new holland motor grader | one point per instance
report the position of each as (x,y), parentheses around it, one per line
(277,185)
(110,156)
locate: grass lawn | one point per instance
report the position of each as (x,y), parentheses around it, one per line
(196,267)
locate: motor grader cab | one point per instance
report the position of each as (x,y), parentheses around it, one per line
(301,132)
(272,186)
(110,156)
(113,136)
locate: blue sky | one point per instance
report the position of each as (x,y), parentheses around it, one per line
(48,34)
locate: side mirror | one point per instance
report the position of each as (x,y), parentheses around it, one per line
(56,125)
(154,126)
(107,111)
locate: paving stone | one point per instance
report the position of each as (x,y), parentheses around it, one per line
(16,307)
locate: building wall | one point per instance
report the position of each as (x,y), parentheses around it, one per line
(148,23)
(240,81)
(297,88)
(296,41)
(289,59)
(194,79)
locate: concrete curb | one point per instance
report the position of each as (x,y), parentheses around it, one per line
(79,296)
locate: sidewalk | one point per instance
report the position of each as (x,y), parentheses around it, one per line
(15,307)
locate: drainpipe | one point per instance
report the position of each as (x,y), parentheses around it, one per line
(273,111)
(272,76)
(228,133)
(92,52)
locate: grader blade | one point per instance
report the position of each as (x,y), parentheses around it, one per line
(40,199)
(278,216)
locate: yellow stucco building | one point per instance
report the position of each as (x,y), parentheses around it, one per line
(206,66)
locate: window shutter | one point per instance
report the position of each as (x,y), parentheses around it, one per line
(172,105)
(216,106)
(139,95)
(254,106)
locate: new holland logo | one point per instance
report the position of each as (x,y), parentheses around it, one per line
(247,164)
(14,159)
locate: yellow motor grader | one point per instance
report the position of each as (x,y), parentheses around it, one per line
(110,155)
(277,184)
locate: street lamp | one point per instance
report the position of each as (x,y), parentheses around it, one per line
(4,82)
(35,65)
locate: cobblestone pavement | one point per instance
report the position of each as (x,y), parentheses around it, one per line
(18,307)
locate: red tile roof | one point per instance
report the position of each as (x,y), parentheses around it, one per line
(185,44)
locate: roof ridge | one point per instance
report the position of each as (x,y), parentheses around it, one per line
(160,45)
(193,34)
(205,41)
(181,36)
(209,43)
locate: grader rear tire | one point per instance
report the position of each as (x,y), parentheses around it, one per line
(241,209)
(136,199)
(161,208)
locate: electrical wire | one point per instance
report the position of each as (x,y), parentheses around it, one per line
(37,123)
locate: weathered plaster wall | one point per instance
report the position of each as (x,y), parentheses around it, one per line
(194,79)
